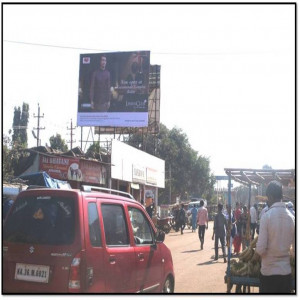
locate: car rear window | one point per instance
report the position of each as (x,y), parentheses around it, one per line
(48,220)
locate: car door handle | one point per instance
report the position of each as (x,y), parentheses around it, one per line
(90,275)
(141,256)
(112,259)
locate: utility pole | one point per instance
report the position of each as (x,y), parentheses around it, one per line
(38,126)
(71,134)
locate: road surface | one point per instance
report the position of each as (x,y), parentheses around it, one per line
(195,269)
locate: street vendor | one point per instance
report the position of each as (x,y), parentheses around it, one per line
(276,236)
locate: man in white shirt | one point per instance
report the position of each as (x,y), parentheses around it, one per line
(276,236)
(253,219)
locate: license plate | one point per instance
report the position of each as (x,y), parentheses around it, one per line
(35,273)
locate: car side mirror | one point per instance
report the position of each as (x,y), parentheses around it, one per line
(160,236)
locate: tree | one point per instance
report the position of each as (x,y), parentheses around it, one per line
(20,123)
(6,158)
(13,148)
(13,154)
(267,167)
(95,150)
(56,142)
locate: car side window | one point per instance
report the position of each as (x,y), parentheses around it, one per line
(94,225)
(115,227)
(141,228)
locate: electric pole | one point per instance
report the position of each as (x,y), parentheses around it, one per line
(38,142)
(71,134)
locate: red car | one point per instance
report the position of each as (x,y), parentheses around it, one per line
(71,241)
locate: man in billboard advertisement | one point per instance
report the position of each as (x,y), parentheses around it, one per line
(100,88)
(114,89)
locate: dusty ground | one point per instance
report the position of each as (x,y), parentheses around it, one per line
(195,269)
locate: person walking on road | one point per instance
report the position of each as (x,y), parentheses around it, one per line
(194,212)
(219,233)
(202,218)
(181,218)
(275,244)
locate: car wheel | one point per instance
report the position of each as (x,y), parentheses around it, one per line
(168,286)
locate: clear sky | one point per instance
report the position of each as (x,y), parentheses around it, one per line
(227,71)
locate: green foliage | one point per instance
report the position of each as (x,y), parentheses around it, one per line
(95,149)
(187,173)
(20,123)
(12,154)
(6,158)
(56,142)
(13,148)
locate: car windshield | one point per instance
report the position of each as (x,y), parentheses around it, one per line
(41,220)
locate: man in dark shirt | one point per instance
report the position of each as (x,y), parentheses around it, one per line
(100,88)
(149,203)
(181,218)
(219,232)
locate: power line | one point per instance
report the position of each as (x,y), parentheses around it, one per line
(53,46)
(102,50)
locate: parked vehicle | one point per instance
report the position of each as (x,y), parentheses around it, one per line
(72,241)
(197,203)
(164,224)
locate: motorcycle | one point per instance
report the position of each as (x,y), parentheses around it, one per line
(164,224)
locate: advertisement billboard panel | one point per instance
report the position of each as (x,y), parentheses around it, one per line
(76,169)
(114,89)
(153,109)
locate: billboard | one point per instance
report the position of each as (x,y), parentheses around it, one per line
(114,89)
(153,109)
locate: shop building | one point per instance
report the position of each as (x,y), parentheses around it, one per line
(135,171)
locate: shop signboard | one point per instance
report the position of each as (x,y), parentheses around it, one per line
(138,174)
(114,89)
(93,172)
(151,176)
(60,167)
(75,169)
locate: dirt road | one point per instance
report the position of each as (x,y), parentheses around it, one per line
(195,269)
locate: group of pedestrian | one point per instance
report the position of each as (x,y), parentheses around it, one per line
(275,226)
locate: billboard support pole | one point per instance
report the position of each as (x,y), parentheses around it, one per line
(81,137)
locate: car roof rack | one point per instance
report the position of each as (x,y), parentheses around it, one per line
(34,186)
(89,188)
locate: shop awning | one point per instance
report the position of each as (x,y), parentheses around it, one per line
(260,176)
